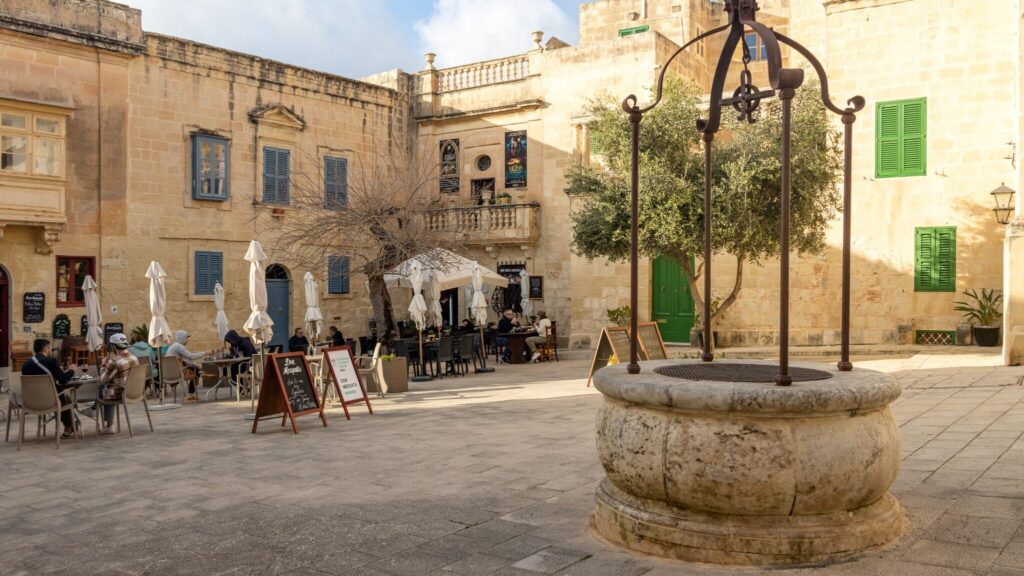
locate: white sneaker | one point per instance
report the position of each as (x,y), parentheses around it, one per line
(107,430)
(536,357)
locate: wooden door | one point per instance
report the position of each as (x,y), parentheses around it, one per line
(671,302)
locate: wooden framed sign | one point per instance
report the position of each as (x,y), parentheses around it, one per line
(649,334)
(614,341)
(346,378)
(536,287)
(287,390)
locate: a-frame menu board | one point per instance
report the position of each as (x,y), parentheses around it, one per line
(287,389)
(649,335)
(346,379)
(614,340)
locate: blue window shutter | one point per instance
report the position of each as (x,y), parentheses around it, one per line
(202,272)
(209,269)
(338,275)
(283,175)
(335,183)
(275,175)
(216,270)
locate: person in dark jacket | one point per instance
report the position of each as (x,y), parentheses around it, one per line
(43,364)
(298,342)
(241,347)
(337,338)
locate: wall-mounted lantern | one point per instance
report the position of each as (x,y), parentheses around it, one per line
(1004,203)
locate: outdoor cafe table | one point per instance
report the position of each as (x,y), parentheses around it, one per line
(224,370)
(517,345)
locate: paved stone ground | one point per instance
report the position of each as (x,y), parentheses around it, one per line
(477,475)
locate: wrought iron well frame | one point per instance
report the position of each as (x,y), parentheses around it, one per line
(784,82)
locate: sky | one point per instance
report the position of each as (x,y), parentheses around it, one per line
(355,38)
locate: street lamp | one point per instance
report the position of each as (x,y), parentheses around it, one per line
(1004,203)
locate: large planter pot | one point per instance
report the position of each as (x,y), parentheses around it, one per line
(396,374)
(986,335)
(731,472)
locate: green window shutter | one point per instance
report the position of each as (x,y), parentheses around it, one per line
(935,259)
(901,143)
(913,139)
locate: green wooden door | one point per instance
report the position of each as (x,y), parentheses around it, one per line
(671,302)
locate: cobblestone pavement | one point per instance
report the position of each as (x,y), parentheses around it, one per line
(486,474)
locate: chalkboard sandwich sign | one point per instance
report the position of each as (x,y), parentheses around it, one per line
(345,377)
(287,390)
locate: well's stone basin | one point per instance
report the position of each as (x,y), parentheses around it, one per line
(747,473)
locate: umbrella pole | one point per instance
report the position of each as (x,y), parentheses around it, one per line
(252,386)
(423,376)
(483,354)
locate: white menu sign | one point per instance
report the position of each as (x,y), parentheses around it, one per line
(345,374)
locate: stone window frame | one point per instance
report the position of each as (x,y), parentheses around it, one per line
(31,133)
(197,140)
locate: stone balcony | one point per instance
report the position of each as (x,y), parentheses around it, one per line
(490,225)
(34,202)
(482,74)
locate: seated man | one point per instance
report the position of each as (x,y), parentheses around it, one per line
(542,326)
(116,366)
(337,338)
(298,342)
(190,370)
(43,364)
(505,325)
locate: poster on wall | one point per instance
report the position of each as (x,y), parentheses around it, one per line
(450,166)
(33,308)
(515,159)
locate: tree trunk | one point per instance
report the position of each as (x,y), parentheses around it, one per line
(380,299)
(698,299)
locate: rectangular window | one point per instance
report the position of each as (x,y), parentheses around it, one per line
(211,163)
(757,49)
(209,269)
(335,183)
(276,169)
(71,273)
(935,259)
(633,30)
(338,275)
(901,138)
(31,144)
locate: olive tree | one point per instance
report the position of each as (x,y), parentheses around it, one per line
(745,184)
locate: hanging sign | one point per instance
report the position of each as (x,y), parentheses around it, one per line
(346,378)
(651,345)
(614,341)
(287,390)
(515,159)
(33,307)
(61,326)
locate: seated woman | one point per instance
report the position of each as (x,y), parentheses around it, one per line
(190,370)
(241,347)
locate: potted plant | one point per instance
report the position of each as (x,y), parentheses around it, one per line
(619,316)
(504,198)
(983,313)
(697,332)
(395,371)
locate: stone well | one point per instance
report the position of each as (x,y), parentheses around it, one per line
(747,472)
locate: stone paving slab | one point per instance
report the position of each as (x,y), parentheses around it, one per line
(487,474)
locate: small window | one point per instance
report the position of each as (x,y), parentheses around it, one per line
(71,273)
(335,183)
(633,30)
(48,125)
(483,163)
(758,51)
(210,167)
(16,121)
(209,270)
(338,275)
(31,144)
(14,154)
(901,138)
(935,259)
(276,170)
(46,156)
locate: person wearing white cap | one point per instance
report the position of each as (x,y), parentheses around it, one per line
(118,363)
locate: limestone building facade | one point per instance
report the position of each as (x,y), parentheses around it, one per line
(122,146)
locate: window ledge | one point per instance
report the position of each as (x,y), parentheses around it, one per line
(337,296)
(201,297)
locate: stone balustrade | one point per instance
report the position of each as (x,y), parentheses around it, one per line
(492,224)
(483,73)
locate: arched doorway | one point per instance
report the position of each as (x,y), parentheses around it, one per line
(5,317)
(278,299)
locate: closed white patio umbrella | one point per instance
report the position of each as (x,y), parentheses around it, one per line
(314,319)
(434,297)
(418,313)
(259,325)
(524,299)
(221,320)
(159,332)
(94,334)
(479,310)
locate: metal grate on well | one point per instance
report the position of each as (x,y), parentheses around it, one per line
(936,337)
(721,372)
